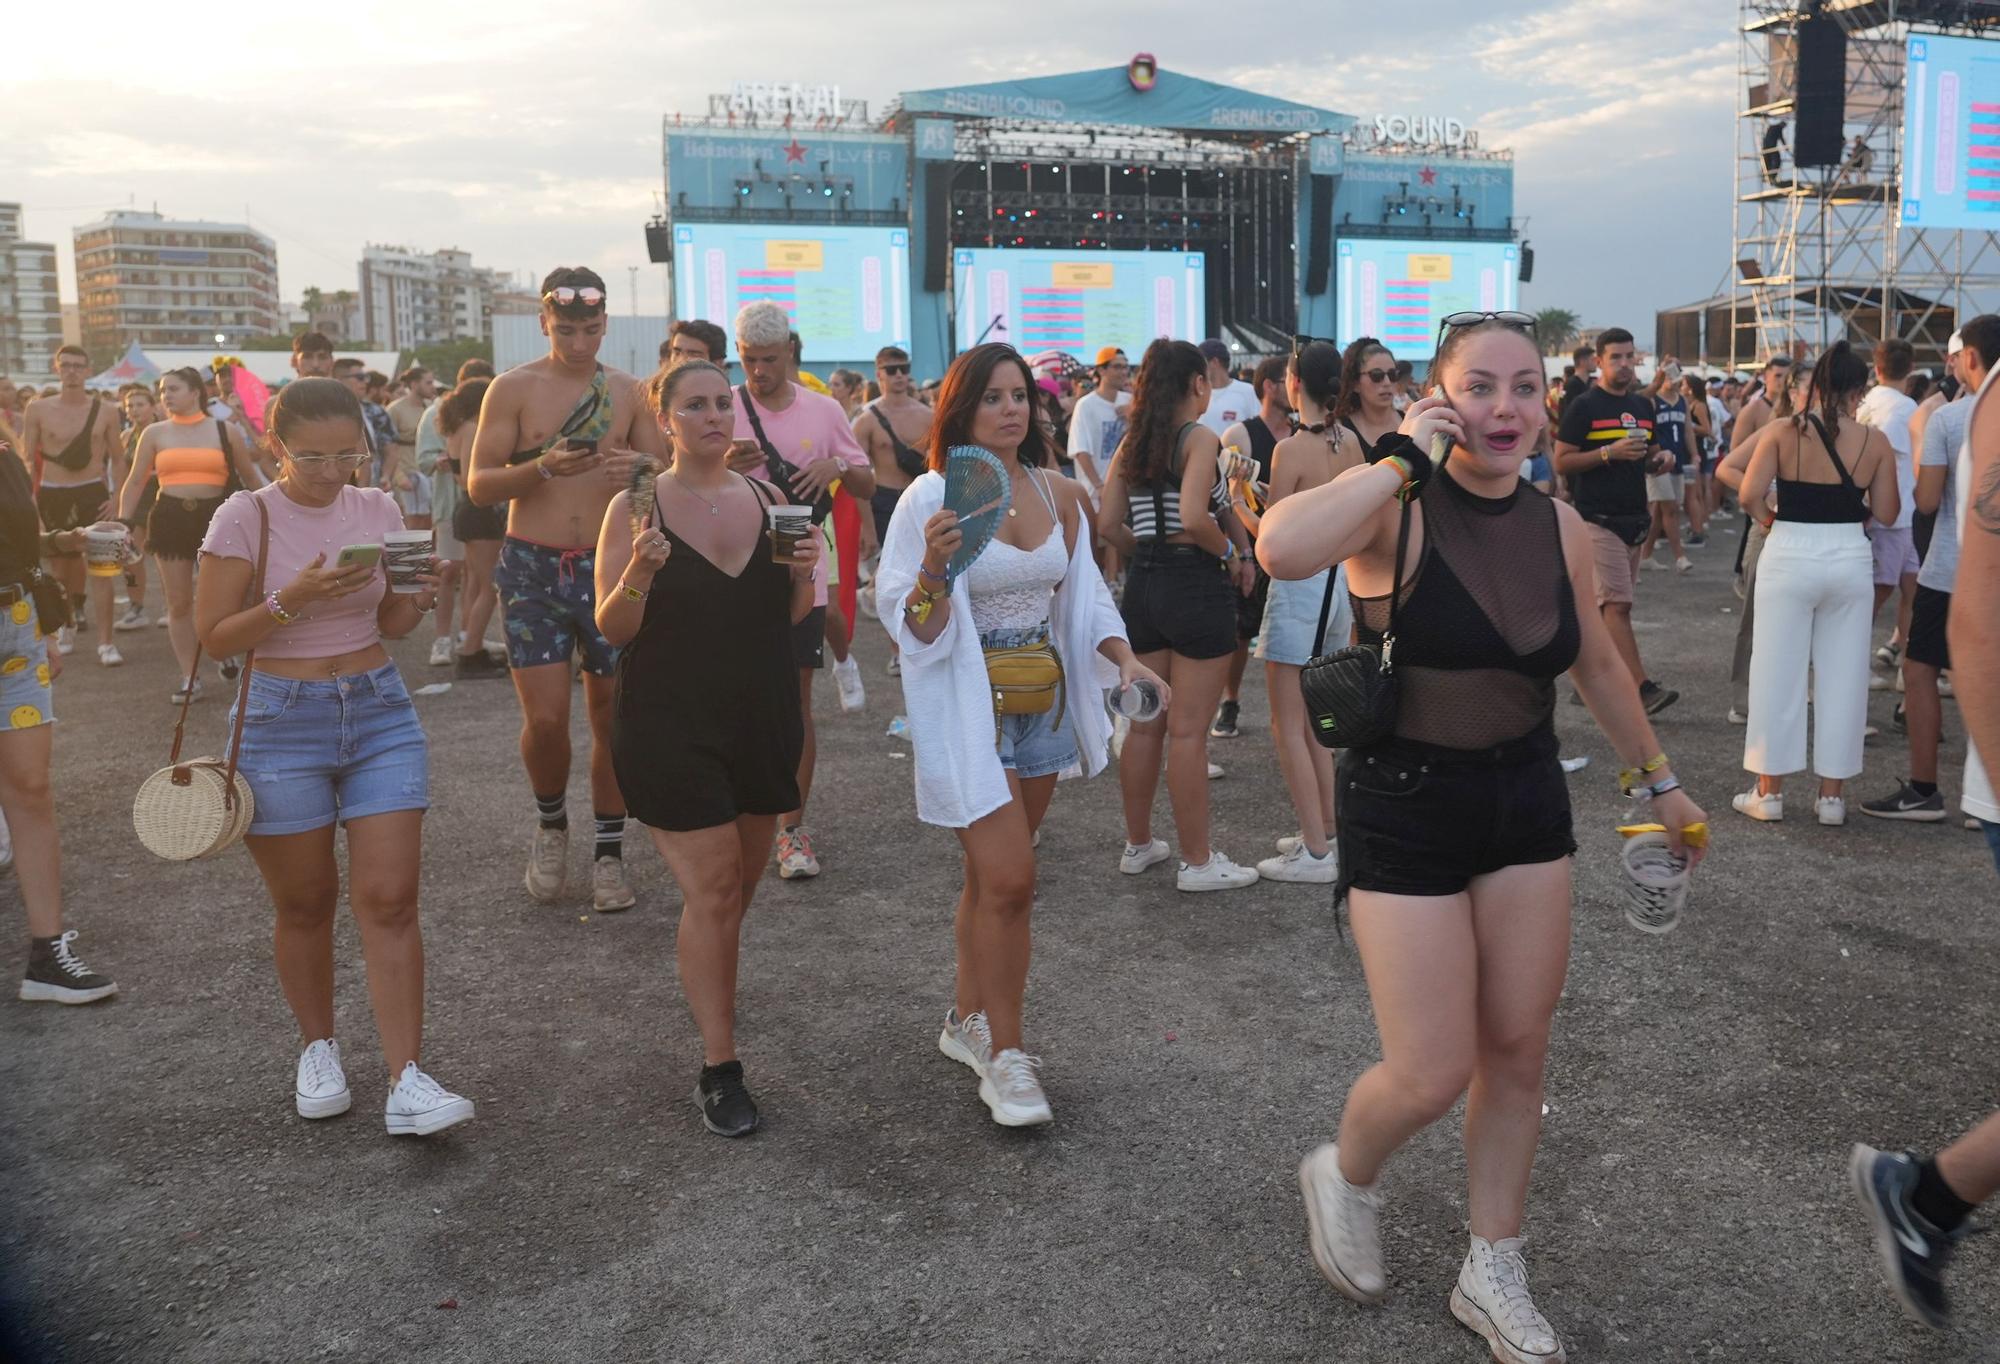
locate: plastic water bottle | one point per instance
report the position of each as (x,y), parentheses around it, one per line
(1138,703)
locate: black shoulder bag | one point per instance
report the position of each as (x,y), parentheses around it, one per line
(780,469)
(1351,693)
(909,460)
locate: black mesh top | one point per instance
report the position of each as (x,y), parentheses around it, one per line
(1488,620)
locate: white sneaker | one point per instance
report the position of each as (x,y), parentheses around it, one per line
(1769,808)
(321,1091)
(108,655)
(1650,562)
(1683,564)
(895,668)
(1289,841)
(548,862)
(1944,685)
(419,1106)
(1012,1093)
(441,652)
(164,621)
(7,844)
(66,640)
(134,619)
(180,692)
(1491,1298)
(1832,811)
(1341,1227)
(1135,860)
(847,676)
(1737,717)
(1218,873)
(968,1042)
(1300,865)
(1880,682)
(610,889)
(796,859)
(1215,772)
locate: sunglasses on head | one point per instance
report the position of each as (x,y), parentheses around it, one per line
(1300,342)
(565,297)
(1518,321)
(894,369)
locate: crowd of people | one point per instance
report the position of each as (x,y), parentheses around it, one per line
(696,545)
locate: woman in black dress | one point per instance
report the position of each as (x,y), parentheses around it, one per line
(706,733)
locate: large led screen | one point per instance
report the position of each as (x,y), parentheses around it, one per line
(1397,290)
(1951,134)
(1078,301)
(846,288)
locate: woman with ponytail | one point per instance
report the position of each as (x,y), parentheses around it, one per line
(1813,481)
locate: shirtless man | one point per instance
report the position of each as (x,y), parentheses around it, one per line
(558,437)
(895,430)
(312,356)
(71,442)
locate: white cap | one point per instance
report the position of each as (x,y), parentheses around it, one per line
(1955,345)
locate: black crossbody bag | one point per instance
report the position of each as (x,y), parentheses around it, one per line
(780,469)
(1351,693)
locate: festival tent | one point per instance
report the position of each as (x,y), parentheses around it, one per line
(132,368)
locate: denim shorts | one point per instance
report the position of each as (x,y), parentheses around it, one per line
(26,700)
(1292,614)
(320,752)
(1033,745)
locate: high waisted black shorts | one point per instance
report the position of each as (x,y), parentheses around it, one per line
(1179,597)
(1421,820)
(178,525)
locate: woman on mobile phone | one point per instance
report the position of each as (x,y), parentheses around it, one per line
(330,737)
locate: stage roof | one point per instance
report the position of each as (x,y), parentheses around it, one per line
(1106,97)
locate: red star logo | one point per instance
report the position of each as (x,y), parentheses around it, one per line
(1427,176)
(794,152)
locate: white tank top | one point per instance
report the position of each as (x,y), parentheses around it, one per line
(1010,587)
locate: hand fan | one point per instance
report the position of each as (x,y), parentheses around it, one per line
(642,492)
(976,486)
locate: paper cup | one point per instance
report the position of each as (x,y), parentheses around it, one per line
(789,528)
(104,546)
(1656,883)
(405,554)
(1139,702)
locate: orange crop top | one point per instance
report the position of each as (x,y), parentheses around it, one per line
(187,466)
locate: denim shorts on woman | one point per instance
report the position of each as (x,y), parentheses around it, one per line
(25,698)
(1291,614)
(1179,597)
(1033,745)
(338,750)
(1420,820)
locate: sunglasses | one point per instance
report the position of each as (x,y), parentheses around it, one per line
(1518,321)
(566,296)
(894,369)
(1378,376)
(1300,342)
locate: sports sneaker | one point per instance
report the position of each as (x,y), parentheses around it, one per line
(56,975)
(1300,865)
(1905,803)
(1225,721)
(321,1090)
(1889,656)
(795,855)
(180,693)
(1944,685)
(441,651)
(1136,859)
(164,621)
(1683,564)
(1218,873)
(726,1106)
(7,844)
(969,1041)
(548,862)
(1871,732)
(108,655)
(847,677)
(1972,826)
(1649,562)
(1880,682)
(1491,1298)
(133,619)
(1215,772)
(1341,1227)
(1831,810)
(1012,1093)
(1769,808)
(1738,716)
(1695,540)
(419,1105)
(1656,697)
(610,891)
(1913,1252)
(1289,841)
(475,665)
(895,668)
(1899,720)
(229,669)
(66,640)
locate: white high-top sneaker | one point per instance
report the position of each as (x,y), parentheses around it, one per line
(1491,1297)
(1341,1226)
(321,1091)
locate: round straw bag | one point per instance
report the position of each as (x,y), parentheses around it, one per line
(201,807)
(1656,883)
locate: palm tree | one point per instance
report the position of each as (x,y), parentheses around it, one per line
(1555,328)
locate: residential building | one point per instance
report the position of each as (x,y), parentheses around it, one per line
(412,298)
(168,282)
(30,316)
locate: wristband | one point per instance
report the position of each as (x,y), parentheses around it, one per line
(629,592)
(542,468)
(278,612)
(1416,462)
(1644,769)
(1656,790)
(924,571)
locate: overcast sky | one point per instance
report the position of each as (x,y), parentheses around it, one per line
(531,136)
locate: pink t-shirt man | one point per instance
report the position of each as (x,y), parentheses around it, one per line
(360,516)
(812,428)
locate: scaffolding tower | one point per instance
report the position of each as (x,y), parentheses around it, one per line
(1819,253)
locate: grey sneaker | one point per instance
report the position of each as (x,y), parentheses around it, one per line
(1341,1225)
(1905,803)
(56,975)
(968,1041)
(609,890)
(1012,1092)
(548,863)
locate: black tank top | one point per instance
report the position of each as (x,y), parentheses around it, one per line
(1263,444)
(1488,620)
(1821,504)
(1367,446)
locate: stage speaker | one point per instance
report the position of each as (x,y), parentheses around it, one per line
(938,176)
(1527,272)
(1820,105)
(1319,234)
(659,242)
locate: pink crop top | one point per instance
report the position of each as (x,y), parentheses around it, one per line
(324,629)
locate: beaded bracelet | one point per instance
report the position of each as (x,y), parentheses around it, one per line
(278,612)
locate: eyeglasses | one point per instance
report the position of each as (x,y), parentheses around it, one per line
(313,464)
(1378,376)
(894,369)
(588,296)
(1300,342)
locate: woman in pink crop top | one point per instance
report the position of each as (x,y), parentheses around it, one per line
(330,737)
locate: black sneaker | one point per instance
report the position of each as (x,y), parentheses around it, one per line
(726,1106)
(1225,721)
(1655,697)
(229,668)
(472,666)
(1905,803)
(1901,721)
(57,975)
(1913,1252)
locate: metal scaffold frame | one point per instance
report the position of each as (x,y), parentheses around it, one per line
(1820,253)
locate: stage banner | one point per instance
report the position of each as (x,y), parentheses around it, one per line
(1109,96)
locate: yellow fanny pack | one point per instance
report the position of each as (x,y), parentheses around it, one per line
(1026,679)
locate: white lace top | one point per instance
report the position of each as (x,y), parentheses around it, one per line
(1011,587)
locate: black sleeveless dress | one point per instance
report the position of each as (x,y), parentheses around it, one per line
(706,725)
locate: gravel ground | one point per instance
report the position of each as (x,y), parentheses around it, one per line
(162,1201)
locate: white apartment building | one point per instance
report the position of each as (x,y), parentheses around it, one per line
(30,315)
(169,282)
(411,298)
